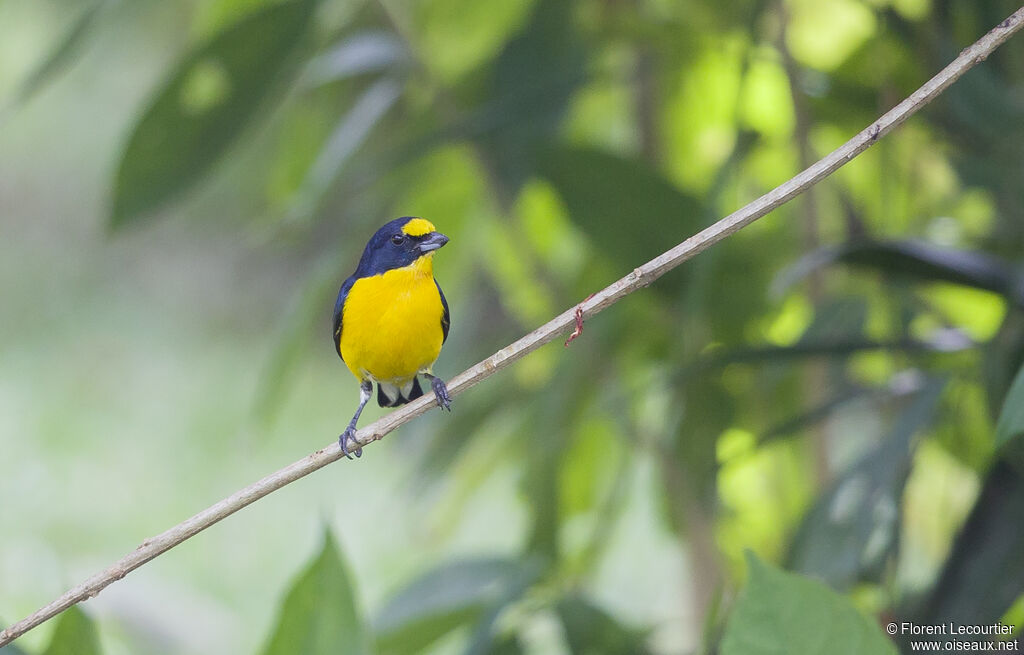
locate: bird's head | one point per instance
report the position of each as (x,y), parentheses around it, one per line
(400,243)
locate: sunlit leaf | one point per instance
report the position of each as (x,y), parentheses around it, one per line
(590,630)
(212,95)
(452,595)
(852,528)
(320,614)
(780,613)
(1011,418)
(75,635)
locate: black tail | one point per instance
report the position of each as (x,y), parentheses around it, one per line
(390,395)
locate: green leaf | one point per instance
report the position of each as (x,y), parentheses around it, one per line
(371,51)
(817,414)
(590,630)
(507,646)
(452,595)
(344,142)
(485,639)
(75,635)
(917,260)
(629,211)
(1011,418)
(780,613)
(853,527)
(984,573)
(320,614)
(202,109)
(947,341)
(529,88)
(59,57)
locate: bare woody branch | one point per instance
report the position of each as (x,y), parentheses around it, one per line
(638,278)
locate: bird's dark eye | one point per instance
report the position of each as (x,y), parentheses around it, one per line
(398,239)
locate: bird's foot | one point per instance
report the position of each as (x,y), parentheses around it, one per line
(349,435)
(444,401)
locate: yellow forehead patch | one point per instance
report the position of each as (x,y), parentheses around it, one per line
(417,227)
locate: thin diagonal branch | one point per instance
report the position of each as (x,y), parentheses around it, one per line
(641,277)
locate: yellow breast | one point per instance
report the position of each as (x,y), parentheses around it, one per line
(391,323)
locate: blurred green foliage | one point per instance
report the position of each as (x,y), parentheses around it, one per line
(319,615)
(772,614)
(837,388)
(75,634)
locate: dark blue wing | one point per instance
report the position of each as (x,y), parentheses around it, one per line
(446,319)
(339,307)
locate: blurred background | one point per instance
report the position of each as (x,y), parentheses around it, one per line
(184,185)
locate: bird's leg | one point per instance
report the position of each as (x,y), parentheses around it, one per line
(444,401)
(365,389)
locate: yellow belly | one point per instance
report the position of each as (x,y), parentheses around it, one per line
(391,324)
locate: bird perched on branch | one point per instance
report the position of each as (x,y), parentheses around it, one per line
(391,318)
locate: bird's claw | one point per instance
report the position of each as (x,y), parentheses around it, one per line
(349,435)
(444,401)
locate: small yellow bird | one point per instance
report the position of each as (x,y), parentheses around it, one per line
(391,318)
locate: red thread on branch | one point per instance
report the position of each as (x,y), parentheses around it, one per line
(579,322)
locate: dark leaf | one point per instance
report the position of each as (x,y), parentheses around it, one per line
(853,527)
(75,635)
(812,416)
(590,630)
(530,86)
(780,613)
(320,615)
(507,646)
(1003,358)
(204,106)
(452,595)
(630,211)
(943,341)
(918,260)
(1011,418)
(836,317)
(484,639)
(984,574)
(706,410)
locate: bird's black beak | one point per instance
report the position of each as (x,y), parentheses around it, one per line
(431,242)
